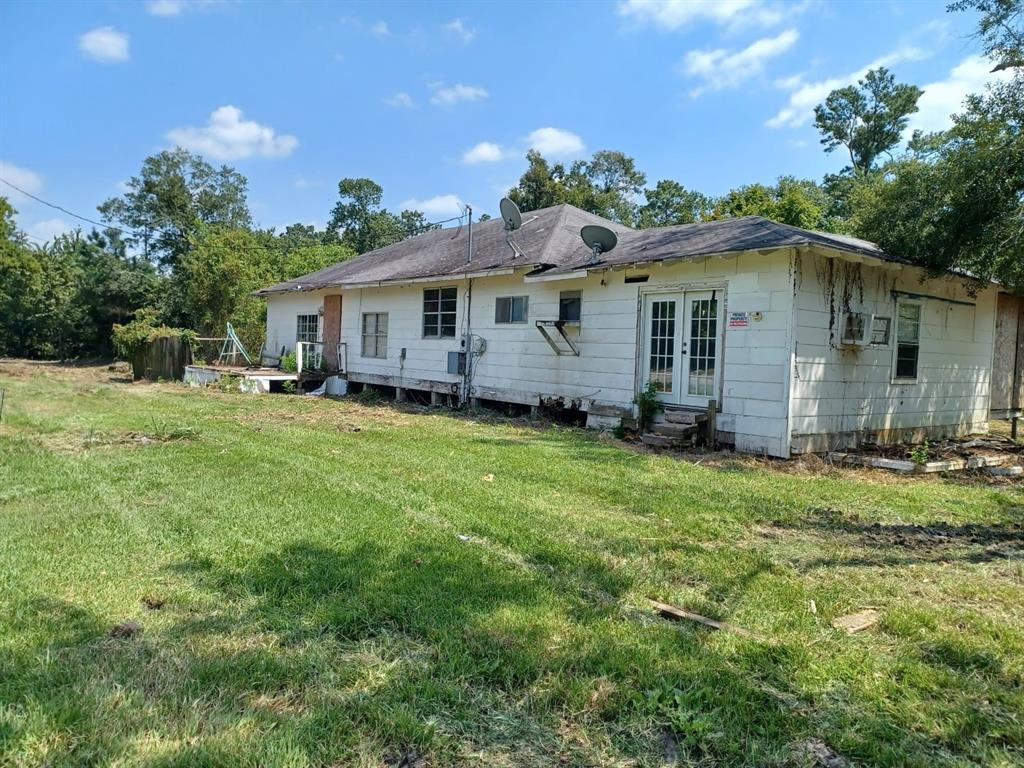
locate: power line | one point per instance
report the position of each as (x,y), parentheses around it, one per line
(425,227)
(65,210)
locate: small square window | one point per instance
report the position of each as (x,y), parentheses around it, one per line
(510,309)
(439,310)
(570,306)
(307,328)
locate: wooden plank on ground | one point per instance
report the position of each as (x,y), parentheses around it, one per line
(672,612)
(855,622)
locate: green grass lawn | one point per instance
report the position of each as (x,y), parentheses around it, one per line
(346,584)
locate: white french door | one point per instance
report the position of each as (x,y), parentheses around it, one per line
(682,346)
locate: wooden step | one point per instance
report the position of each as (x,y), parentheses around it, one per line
(674,416)
(674,430)
(656,441)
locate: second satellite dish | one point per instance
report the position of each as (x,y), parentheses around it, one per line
(510,214)
(598,239)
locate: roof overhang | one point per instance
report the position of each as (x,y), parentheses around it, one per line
(467,275)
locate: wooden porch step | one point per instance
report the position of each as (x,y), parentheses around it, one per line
(684,416)
(676,431)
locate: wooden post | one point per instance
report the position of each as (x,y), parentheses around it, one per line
(711,436)
(399,395)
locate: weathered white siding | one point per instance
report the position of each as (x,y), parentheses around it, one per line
(843,396)
(282,311)
(519,366)
(786,384)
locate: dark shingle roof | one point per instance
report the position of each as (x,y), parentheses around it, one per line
(748,233)
(550,239)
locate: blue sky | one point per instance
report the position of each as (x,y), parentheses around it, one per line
(439,102)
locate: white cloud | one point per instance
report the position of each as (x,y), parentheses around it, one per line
(48,229)
(555,142)
(380,29)
(449,96)
(484,152)
(165,7)
(401,99)
(945,97)
(228,137)
(437,207)
(720,68)
(458,29)
(104,44)
(178,7)
(28,180)
(675,14)
(805,96)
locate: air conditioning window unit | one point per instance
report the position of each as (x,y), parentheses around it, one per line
(857,329)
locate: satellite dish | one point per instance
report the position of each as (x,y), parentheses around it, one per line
(510,214)
(598,239)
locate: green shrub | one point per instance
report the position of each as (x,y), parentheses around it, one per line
(921,453)
(289,364)
(135,336)
(649,404)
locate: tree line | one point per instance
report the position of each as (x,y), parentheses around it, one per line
(181,245)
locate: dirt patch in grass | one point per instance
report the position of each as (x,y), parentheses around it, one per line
(101,372)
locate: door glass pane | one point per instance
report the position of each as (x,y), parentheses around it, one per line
(703,333)
(662,344)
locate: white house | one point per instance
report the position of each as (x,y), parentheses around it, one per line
(805,341)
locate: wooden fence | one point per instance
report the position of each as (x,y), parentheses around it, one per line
(164,358)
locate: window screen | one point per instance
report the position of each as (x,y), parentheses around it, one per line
(439,305)
(510,309)
(908,340)
(375,334)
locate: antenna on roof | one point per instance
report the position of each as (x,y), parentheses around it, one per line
(598,239)
(513,220)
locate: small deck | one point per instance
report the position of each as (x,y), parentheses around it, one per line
(253,379)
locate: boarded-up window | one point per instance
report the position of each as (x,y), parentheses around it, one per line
(908,340)
(439,305)
(510,309)
(375,334)
(307,328)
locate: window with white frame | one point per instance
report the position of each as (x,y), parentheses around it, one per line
(908,341)
(439,305)
(375,334)
(307,328)
(510,309)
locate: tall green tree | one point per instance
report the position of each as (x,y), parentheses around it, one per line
(359,222)
(867,119)
(957,202)
(670,203)
(609,185)
(175,194)
(798,202)
(1000,30)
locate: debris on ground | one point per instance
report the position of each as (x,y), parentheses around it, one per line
(986,454)
(856,622)
(464,537)
(411,760)
(488,478)
(815,752)
(153,602)
(672,612)
(126,630)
